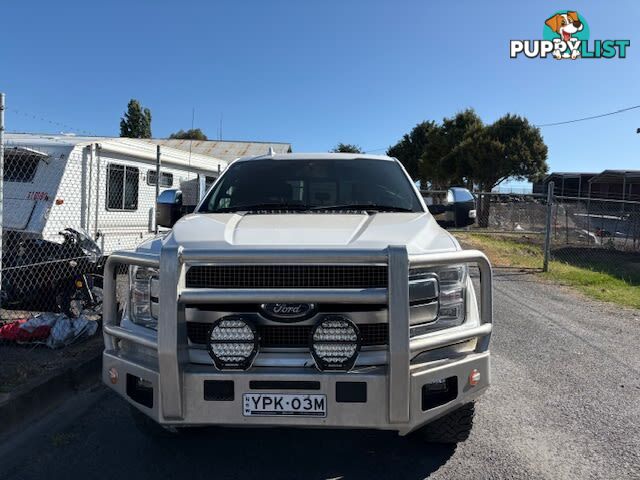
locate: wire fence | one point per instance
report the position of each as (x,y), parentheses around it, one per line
(598,234)
(66,204)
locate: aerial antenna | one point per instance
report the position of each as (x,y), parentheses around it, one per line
(220,129)
(193,115)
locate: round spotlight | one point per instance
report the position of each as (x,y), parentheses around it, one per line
(335,343)
(233,343)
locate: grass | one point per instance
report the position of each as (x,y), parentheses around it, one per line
(603,275)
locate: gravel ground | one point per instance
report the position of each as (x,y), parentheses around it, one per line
(565,403)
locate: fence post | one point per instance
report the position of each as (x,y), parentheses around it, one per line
(547,232)
(157,184)
(1,181)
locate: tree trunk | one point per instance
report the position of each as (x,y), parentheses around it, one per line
(483,210)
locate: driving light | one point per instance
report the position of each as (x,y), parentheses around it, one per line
(233,343)
(335,343)
(474,377)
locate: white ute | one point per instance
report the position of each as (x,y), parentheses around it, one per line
(306,290)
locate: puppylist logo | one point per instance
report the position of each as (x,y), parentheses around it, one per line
(566,36)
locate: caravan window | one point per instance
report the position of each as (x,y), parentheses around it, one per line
(208,181)
(20,167)
(166,179)
(122,187)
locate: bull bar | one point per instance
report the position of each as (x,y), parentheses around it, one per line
(173,373)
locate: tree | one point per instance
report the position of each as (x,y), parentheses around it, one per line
(191,134)
(462,150)
(346,148)
(509,148)
(412,147)
(136,122)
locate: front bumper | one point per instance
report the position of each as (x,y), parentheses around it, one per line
(394,392)
(373,413)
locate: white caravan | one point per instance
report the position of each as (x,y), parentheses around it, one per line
(104,186)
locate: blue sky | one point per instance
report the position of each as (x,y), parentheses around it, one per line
(315,73)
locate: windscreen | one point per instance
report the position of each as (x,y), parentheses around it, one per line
(367,184)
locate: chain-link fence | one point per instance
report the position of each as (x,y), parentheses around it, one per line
(512,226)
(593,233)
(596,224)
(67,203)
(600,235)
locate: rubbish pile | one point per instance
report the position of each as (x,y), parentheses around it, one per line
(55,330)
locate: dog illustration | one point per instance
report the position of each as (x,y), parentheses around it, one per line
(565,25)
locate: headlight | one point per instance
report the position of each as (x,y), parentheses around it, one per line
(144,296)
(437,298)
(335,343)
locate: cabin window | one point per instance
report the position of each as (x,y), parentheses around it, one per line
(166,179)
(122,187)
(20,167)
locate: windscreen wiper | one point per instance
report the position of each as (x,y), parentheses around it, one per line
(363,206)
(261,206)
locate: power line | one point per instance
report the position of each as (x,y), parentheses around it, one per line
(64,126)
(588,118)
(553,124)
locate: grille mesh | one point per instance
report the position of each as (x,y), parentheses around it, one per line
(287,276)
(292,336)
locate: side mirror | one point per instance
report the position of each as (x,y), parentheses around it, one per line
(463,205)
(437,209)
(169,208)
(457,210)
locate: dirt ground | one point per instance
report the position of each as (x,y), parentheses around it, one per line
(22,363)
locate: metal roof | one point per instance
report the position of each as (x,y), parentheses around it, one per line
(223,149)
(570,174)
(616,175)
(136,147)
(566,174)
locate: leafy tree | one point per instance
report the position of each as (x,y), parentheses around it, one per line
(411,148)
(464,151)
(191,134)
(451,156)
(346,148)
(136,122)
(509,148)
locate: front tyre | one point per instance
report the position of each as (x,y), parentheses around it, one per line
(454,427)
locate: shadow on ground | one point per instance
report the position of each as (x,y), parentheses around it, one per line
(622,265)
(292,453)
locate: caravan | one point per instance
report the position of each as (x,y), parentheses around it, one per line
(103,190)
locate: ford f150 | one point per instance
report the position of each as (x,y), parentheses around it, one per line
(305,290)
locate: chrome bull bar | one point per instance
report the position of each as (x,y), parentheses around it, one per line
(171,343)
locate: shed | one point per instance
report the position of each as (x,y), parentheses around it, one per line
(566,184)
(616,184)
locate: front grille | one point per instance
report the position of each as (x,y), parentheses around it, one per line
(292,336)
(287,276)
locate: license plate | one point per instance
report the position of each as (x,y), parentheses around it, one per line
(284,404)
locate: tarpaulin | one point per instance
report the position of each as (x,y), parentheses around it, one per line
(53,329)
